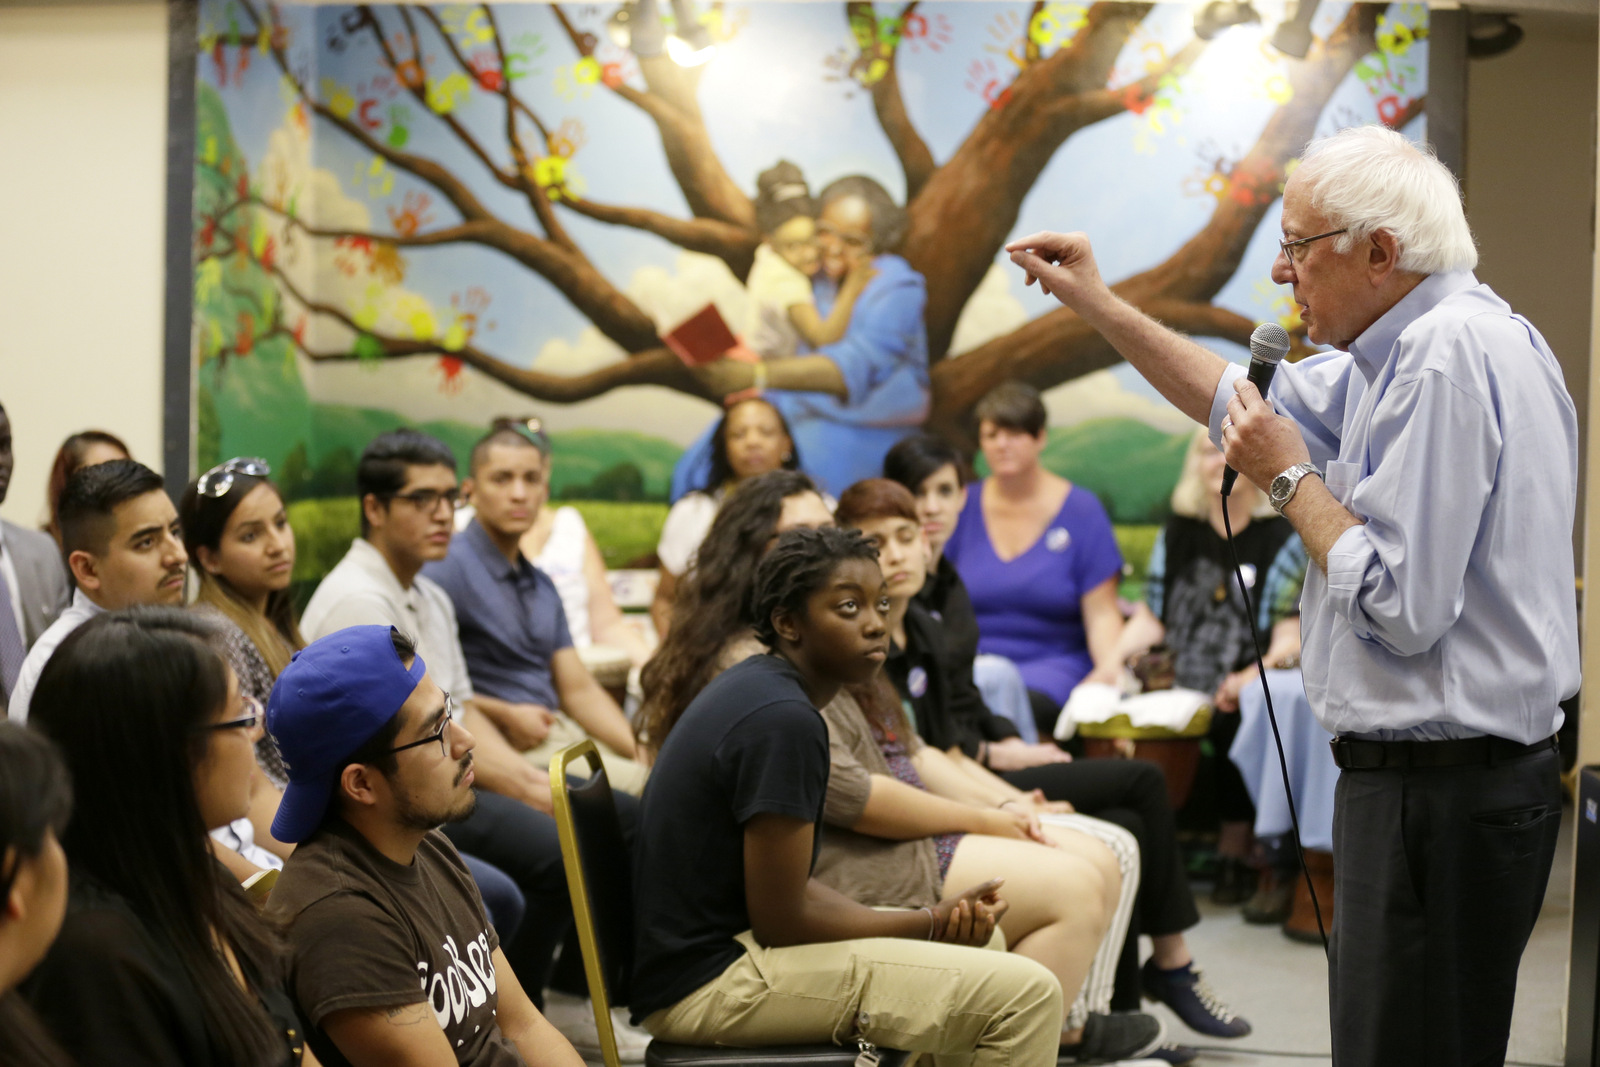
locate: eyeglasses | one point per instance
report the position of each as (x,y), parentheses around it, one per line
(427,500)
(1295,251)
(216,482)
(248,721)
(438,735)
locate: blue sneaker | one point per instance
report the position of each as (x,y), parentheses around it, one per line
(1185,991)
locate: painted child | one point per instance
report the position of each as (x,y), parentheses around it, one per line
(783,311)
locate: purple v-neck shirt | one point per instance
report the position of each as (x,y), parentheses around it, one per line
(1029,608)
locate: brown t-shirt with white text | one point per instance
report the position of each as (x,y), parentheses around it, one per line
(367,932)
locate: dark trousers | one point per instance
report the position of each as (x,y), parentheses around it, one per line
(523,843)
(501,897)
(1440,873)
(1133,795)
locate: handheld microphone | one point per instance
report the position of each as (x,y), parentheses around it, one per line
(1268,345)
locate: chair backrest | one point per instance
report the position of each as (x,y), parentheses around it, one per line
(599,879)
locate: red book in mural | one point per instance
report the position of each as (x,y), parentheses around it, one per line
(704,337)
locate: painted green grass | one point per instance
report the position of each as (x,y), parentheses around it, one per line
(625,532)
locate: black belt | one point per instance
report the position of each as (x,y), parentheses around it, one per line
(1353,754)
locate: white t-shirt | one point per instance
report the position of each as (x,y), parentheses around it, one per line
(775,285)
(81,611)
(363,591)
(562,558)
(688,522)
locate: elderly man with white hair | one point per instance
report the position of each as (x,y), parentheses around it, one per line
(1429,464)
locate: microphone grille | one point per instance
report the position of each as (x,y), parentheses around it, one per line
(1269,343)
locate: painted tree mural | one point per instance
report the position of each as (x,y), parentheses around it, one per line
(454,66)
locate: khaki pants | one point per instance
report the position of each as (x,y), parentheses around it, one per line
(625,774)
(962,1006)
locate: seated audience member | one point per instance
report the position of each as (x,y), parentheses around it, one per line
(121,539)
(1129,793)
(716,591)
(86,449)
(936,475)
(33,585)
(736,943)
(752,439)
(407,482)
(237,533)
(1039,559)
(394,960)
(512,623)
(35,801)
(163,959)
(1193,606)
(125,547)
(713,632)
(559,544)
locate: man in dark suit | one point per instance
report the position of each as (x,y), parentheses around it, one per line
(33,583)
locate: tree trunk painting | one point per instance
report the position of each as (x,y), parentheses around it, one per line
(1062,71)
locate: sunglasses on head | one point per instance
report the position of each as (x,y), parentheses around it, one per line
(216,482)
(532,428)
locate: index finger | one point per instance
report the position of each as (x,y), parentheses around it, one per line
(1246,392)
(1043,239)
(986,889)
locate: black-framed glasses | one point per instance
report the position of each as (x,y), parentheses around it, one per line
(216,482)
(437,735)
(248,721)
(427,500)
(1295,251)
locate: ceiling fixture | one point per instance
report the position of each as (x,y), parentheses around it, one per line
(637,27)
(690,44)
(1293,35)
(1218,15)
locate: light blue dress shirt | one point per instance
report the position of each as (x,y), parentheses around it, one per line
(1447,429)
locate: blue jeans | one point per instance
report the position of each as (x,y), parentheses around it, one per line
(501,897)
(1003,689)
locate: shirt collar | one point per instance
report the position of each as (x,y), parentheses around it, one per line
(1373,348)
(81,601)
(476,539)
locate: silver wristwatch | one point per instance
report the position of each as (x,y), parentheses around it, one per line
(1283,487)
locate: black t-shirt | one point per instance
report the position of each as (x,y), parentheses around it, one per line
(112,991)
(750,744)
(367,932)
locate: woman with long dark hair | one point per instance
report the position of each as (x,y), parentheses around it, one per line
(162,958)
(752,439)
(35,800)
(710,607)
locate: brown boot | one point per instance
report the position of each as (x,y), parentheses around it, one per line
(1302,922)
(1272,902)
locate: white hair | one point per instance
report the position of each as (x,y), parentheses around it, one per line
(1370,178)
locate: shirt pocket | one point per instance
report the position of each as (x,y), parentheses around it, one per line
(1341,479)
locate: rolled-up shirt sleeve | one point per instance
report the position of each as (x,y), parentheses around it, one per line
(1398,579)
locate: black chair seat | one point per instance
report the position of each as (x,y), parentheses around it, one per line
(666,1054)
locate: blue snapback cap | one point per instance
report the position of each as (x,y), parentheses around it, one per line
(332,697)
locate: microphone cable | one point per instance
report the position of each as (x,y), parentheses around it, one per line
(1272,717)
